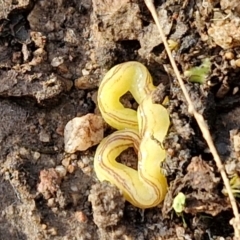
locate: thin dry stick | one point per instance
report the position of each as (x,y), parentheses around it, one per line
(199,118)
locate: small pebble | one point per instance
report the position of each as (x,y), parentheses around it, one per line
(73,156)
(237,62)
(44,226)
(87,170)
(57,61)
(74,188)
(50,202)
(83,132)
(66,162)
(81,165)
(235,90)
(85,72)
(61,170)
(80,217)
(86,160)
(229,55)
(23,151)
(43,136)
(36,155)
(70,168)
(55,209)
(233,63)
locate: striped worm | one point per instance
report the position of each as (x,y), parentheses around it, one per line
(144,130)
(130,76)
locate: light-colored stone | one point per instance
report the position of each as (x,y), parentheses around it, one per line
(44,136)
(83,132)
(61,170)
(57,61)
(36,155)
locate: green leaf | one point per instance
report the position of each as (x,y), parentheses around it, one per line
(200,73)
(179,203)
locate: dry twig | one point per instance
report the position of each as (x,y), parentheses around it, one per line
(201,122)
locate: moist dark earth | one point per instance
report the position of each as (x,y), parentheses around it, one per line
(53,55)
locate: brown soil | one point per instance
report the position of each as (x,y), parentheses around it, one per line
(53,54)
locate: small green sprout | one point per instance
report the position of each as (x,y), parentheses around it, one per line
(200,73)
(179,205)
(173,45)
(235,186)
